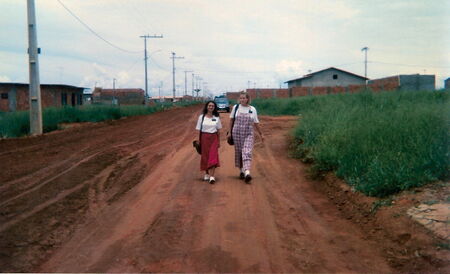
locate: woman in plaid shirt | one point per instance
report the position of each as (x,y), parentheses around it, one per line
(245,118)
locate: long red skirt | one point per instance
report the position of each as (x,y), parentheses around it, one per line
(210,151)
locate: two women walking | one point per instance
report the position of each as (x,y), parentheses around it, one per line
(243,120)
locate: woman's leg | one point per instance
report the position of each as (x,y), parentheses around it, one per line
(212,180)
(247,157)
(247,152)
(211,171)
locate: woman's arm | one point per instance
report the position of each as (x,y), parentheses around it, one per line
(231,125)
(259,131)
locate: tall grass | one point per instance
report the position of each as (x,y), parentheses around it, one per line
(379,143)
(13,124)
(16,124)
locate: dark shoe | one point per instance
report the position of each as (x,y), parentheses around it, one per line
(242,176)
(248,178)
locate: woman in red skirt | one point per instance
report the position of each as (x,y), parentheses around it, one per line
(209,124)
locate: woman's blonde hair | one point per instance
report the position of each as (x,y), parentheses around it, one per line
(246,96)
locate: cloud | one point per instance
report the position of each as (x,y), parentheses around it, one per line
(227,43)
(4,78)
(289,67)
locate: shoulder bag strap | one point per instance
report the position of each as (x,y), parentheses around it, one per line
(234,117)
(200,133)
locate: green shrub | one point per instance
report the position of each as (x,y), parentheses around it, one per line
(16,124)
(380,143)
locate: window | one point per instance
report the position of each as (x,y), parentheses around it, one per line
(4,96)
(335,76)
(80,99)
(64,99)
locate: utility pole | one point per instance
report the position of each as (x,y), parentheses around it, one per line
(173,72)
(198,83)
(365,60)
(114,92)
(205,86)
(185,81)
(34,92)
(145,59)
(193,85)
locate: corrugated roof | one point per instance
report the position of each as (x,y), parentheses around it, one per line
(48,85)
(311,74)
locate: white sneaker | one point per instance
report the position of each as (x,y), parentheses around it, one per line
(212,180)
(206,178)
(247,177)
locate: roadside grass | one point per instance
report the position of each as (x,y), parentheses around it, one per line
(380,143)
(17,124)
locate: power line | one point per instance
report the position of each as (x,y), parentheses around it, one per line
(93,32)
(154,62)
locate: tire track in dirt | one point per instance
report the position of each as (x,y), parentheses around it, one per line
(137,211)
(174,222)
(146,209)
(35,186)
(61,179)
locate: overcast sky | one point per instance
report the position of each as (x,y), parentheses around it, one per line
(230,44)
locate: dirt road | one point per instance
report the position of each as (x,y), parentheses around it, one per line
(127,196)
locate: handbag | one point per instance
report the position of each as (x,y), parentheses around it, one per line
(197,146)
(230,140)
(196,143)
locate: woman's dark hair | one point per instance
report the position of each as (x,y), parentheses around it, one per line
(205,108)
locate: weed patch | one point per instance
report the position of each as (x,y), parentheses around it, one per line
(380,143)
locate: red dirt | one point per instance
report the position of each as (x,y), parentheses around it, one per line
(127,196)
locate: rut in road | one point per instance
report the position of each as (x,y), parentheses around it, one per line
(172,221)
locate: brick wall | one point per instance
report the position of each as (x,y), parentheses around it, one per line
(3,103)
(299,91)
(336,90)
(233,95)
(261,93)
(319,91)
(123,96)
(50,96)
(384,84)
(387,83)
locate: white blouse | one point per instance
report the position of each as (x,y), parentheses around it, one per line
(210,125)
(247,109)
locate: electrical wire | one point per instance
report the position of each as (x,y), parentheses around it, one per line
(93,32)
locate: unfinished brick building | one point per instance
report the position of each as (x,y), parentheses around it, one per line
(14,96)
(121,96)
